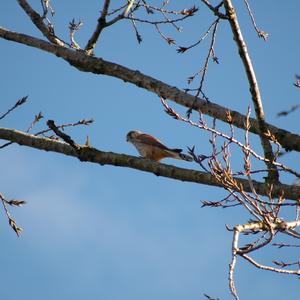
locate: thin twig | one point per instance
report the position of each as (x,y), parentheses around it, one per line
(287,112)
(281,245)
(116,10)
(215,10)
(175,115)
(211,47)
(168,21)
(137,34)
(11,221)
(37,118)
(151,9)
(260,33)
(17,104)
(268,268)
(182,49)
(169,40)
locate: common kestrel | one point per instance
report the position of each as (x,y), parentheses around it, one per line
(150,147)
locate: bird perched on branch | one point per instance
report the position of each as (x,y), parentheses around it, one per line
(152,148)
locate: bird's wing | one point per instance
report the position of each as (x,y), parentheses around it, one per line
(150,140)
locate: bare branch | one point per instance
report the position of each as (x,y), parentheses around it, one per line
(116,10)
(17,104)
(11,221)
(281,245)
(66,138)
(215,10)
(278,225)
(210,53)
(183,49)
(95,65)
(232,265)
(168,21)
(37,118)
(230,138)
(210,298)
(89,48)
(290,110)
(283,264)
(137,34)
(268,268)
(85,122)
(128,8)
(46,6)
(260,33)
(39,23)
(169,40)
(109,158)
(236,251)
(74,27)
(254,88)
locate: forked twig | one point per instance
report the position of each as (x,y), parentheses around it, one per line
(11,221)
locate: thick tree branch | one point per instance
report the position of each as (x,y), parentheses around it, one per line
(38,21)
(93,155)
(254,88)
(95,65)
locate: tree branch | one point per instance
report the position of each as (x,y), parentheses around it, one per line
(38,21)
(268,268)
(254,88)
(215,10)
(89,154)
(232,265)
(85,63)
(89,48)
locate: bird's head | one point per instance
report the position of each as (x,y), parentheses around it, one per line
(131,135)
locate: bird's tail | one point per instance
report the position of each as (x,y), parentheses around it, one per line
(177,154)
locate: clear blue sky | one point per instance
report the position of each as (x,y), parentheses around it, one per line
(93,232)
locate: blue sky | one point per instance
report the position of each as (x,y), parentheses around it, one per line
(107,232)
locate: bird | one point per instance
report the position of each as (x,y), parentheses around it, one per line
(152,148)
